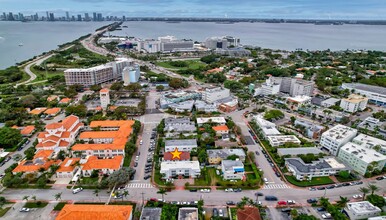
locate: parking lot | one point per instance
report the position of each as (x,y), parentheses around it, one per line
(219,211)
(34,213)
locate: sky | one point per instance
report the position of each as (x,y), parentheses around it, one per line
(303,9)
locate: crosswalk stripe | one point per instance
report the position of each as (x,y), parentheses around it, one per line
(276,186)
(139,185)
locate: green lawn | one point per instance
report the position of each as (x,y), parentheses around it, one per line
(89,180)
(35,204)
(191,64)
(3,211)
(59,206)
(43,75)
(314,182)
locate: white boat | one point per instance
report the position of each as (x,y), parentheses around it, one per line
(21,44)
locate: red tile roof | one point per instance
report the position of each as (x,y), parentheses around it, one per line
(43,154)
(248,213)
(95,212)
(28,130)
(65,100)
(183,156)
(93,163)
(220,128)
(81,147)
(52,111)
(37,111)
(68,164)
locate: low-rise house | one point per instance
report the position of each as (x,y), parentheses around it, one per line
(52,98)
(177,155)
(188,213)
(60,135)
(294,151)
(171,169)
(322,167)
(232,169)
(266,128)
(360,158)
(40,162)
(215,156)
(177,126)
(151,213)
(361,210)
(183,145)
(248,213)
(221,129)
(329,102)
(65,101)
(312,130)
(68,168)
(37,111)
(104,166)
(280,140)
(52,111)
(94,212)
(295,102)
(214,120)
(27,131)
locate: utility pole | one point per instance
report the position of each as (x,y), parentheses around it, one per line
(143,199)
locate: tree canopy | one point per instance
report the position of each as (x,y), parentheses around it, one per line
(9,137)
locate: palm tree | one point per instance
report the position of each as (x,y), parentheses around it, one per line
(373,188)
(58,196)
(364,190)
(26,198)
(294,213)
(125,193)
(243,202)
(343,201)
(96,193)
(323,201)
(162,192)
(33,198)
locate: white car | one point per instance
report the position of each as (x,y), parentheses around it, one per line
(291,202)
(205,190)
(24,210)
(265,180)
(77,190)
(220,213)
(259,203)
(326,215)
(357,196)
(140,142)
(229,190)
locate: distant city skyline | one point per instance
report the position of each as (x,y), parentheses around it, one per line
(291,9)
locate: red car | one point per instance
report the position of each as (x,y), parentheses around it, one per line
(153,199)
(282,203)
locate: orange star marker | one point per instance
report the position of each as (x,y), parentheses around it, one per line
(176,154)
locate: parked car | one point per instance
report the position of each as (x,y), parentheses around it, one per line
(312,189)
(229,190)
(271,198)
(237,190)
(282,203)
(77,190)
(146,177)
(312,200)
(321,188)
(330,187)
(277,174)
(135,164)
(257,152)
(193,190)
(7,159)
(118,196)
(346,184)
(215,212)
(357,196)
(379,178)
(205,190)
(230,203)
(259,194)
(286,210)
(24,210)
(321,209)
(291,202)
(326,215)
(220,213)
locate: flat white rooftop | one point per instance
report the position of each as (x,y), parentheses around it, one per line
(365,154)
(339,132)
(362,207)
(219,120)
(167,165)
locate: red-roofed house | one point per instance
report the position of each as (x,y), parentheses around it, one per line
(221,129)
(35,165)
(105,166)
(52,98)
(65,101)
(52,111)
(27,130)
(248,213)
(59,136)
(67,168)
(184,156)
(37,111)
(95,212)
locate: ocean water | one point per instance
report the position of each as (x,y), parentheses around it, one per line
(38,37)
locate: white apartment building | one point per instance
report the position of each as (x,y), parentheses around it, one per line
(184,168)
(359,158)
(131,74)
(370,142)
(267,128)
(212,95)
(280,140)
(99,150)
(96,75)
(149,46)
(336,137)
(232,169)
(375,94)
(361,210)
(322,167)
(354,103)
(268,88)
(182,145)
(302,88)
